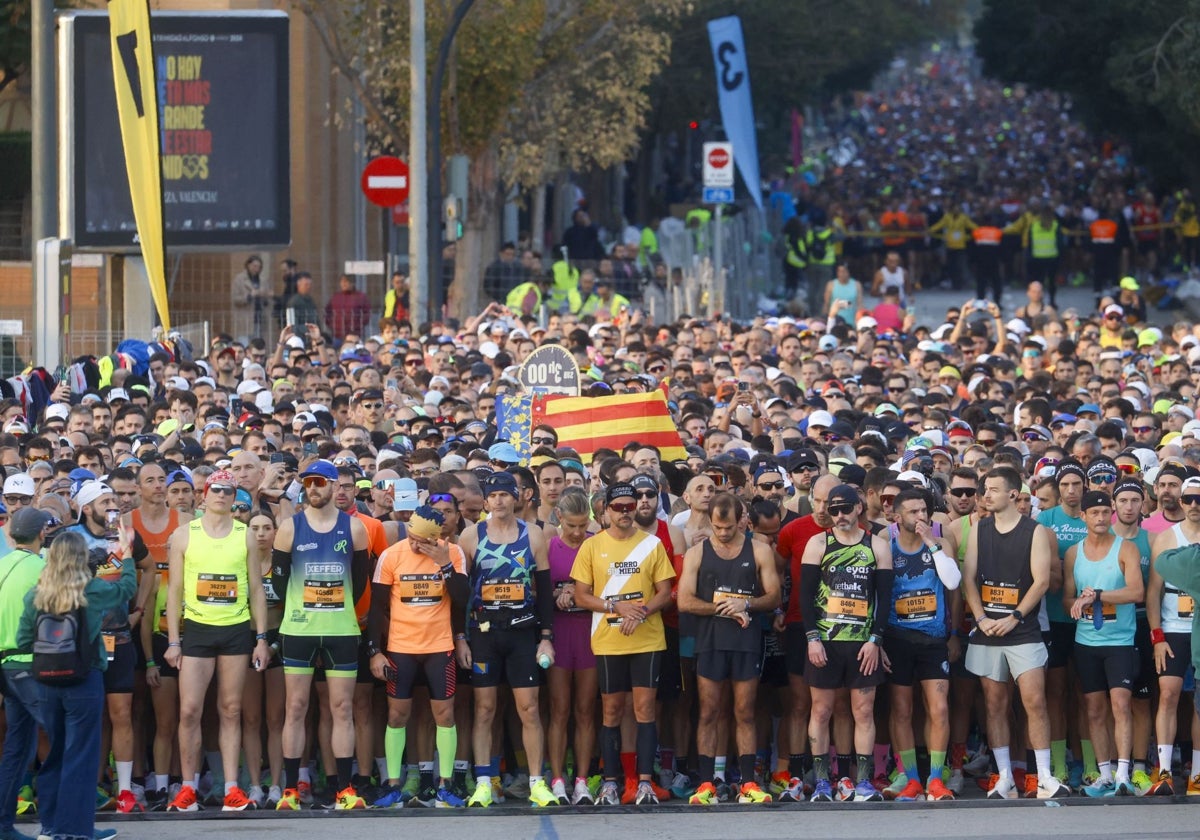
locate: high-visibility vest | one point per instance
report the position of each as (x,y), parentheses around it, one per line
(565,280)
(392,307)
(1103,231)
(519,296)
(987,235)
(1043,242)
(797,256)
(826,235)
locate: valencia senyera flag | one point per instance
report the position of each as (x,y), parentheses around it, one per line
(137,107)
(589,423)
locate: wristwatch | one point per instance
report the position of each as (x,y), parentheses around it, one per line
(372,649)
(1018,615)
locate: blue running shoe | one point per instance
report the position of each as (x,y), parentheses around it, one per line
(822,791)
(864,791)
(447,799)
(1100,789)
(392,798)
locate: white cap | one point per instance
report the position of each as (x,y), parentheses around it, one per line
(820,417)
(1016,325)
(248,387)
(866,322)
(489,349)
(19,484)
(265,401)
(58,410)
(912,477)
(295,342)
(434,397)
(115,394)
(178,383)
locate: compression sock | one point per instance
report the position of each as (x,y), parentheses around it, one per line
(291,772)
(393,747)
(447,746)
(843,765)
(610,750)
(795,766)
(647,739)
(345,770)
(425,768)
(1090,767)
(1058,759)
(821,766)
(460,768)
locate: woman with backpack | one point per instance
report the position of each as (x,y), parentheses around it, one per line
(61,626)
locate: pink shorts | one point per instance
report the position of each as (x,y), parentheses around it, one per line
(573,641)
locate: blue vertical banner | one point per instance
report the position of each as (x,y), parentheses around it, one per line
(733,93)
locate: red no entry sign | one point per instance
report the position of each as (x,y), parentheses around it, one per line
(385,181)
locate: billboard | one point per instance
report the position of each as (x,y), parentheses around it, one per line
(222,83)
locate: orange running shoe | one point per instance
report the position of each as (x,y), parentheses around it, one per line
(127,803)
(290,801)
(1030,789)
(936,791)
(236,800)
(185,800)
(986,783)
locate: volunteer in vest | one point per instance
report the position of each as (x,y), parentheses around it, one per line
(1171,611)
(154,522)
(510,628)
(845,596)
(986,262)
(97,508)
(1045,245)
(725,581)
(623,576)
(320,565)
(954,227)
(1005,576)
(821,256)
(925,604)
(1102,583)
(216,623)
(1106,250)
(395,301)
(19,572)
(72,712)
(416,625)
(795,259)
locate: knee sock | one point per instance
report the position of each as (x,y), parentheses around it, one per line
(796,766)
(610,750)
(425,768)
(629,766)
(393,747)
(937,760)
(843,765)
(1058,758)
(447,746)
(706,768)
(881,757)
(345,769)
(820,766)
(291,772)
(958,755)
(647,745)
(1089,758)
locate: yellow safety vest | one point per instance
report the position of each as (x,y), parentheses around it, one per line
(1043,242)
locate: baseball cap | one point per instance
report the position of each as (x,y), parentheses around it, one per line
(27,524)
(802,458)
(405,494)
(1095,498)
(622,490)
(504,453)
(320,468)
(176,476)
(866,322)
(843,493)
(1129,284)
(820,418)
(89,492)
(20,484)
(58,411)
(117,394)
(1113,309)
(501,482)
(912,477)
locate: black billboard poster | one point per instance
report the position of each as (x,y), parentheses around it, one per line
(223,113)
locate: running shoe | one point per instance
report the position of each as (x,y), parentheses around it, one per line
(883,780)
(706,794)
(751,794)
(127,803)
(139,794)
(936,791)
(392,798)
(1004,788)
(156,800)
(779,782)
(1100,789)
(630,793)
(845,790)
(822,791)
(1141,782)
(645,794)
(540,795)
(1051,788)
(724,792)
(955,785)
(1124,787)
(482,797)
(582,794)
(26,802)
(794,792)
(289,800)
(257,797)
(185,800)
(1030,789)
(304,792)
(608,794)
(349,800)
(1193,785)
(447,799)
(1164,785)
(594,784)
(104,799)
(518,786)
(911,792)
(237,800)
(104,833)
(979,763)
(497,791)
(897,786)
(865,791)
(986,783)
(427,798)
(1075,775)
(681,786)
(662,793)
(412,786)
(559,788)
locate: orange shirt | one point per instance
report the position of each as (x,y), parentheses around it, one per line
(376,544)
(420,621)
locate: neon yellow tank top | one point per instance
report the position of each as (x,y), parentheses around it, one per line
(215,584)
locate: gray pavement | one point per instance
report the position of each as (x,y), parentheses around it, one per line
(1074,818)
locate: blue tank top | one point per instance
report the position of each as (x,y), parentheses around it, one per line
(320,590)
(1069,530)
(1119,620)
(502,576)
(918,594)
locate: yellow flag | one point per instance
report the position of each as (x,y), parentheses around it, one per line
(137,106)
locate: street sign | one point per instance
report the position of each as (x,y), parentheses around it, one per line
(550,369)
(718,195)
(385,181)
(364,267)
(718,165)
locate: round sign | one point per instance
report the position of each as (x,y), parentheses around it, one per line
(718,158)
(551,369)
(385,181)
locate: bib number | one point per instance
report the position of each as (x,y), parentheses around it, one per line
(421,590)
(110,646)
(216,589)
(634,598)
(1185,606)
(1109,611)
(999,598)
(503,593)
(920,605)
(324,595)
(847,609)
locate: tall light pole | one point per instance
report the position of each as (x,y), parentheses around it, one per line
(45,144)
(422,305)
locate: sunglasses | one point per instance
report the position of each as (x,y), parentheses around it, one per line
(413,362)
(1129,469)
(224,489)
(656,369)
(840,510)
(888,499)
(1190,499)
(831,437)
(374,406)
(718,479)
(1030,437)
(1112,317)
(987,442)
(315,481)
(806,468)
(542,441)
(240,508)
(647,494)
(434,498)
(962,492)
(624,507)
(1103,478)
(770,485)
(1142,430)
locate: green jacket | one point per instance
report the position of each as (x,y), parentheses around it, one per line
(19,571)
(1180,567)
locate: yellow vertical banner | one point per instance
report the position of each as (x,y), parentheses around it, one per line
(137,106)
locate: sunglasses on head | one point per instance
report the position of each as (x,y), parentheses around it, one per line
(962,492)
(717,478)
(770,485)
(624,507)
(841,510)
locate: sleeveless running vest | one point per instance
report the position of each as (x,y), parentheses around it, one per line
(918,595)
(320,591)
(846,593)
(103,560)
(1004,577)
(156,543)
(562,558)
(1069,530)
(1178,607)
(215,576)
(719,580)
(502,576)
(1119,620)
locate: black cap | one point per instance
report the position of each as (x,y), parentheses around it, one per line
(802,457)
(501,482)
(843,493)
(853,474)
(27,524)
(622,490)
(842,429)
(1095,498)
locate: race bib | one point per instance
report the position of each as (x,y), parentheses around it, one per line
(919,605)
(1185,606)
(110,646)
(216,589)
(503,593)
(847,609)
(421,590)
(324,595)
(634,598)
(724,593)
(1109,611)
(999,598)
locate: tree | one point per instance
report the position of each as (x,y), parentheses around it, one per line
(535,87)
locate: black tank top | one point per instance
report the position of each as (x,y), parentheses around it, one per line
(1003,576)
(720,579)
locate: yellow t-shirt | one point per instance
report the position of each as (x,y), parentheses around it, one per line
(626,570)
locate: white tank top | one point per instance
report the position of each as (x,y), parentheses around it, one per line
(1177,606)
(893,279)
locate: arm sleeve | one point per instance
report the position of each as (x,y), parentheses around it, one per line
(281,570)
(947,569)
(884,578)
(810,581)
(460,595)
(545,598)
(379,615)
(360,572)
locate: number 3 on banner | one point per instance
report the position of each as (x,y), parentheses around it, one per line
(729,81)
(128,44)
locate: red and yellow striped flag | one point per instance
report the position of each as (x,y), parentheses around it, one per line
(589,423)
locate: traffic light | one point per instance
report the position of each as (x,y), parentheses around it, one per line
(452,217)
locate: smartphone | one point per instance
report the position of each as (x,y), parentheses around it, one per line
(310,447)
(743,386)
(112,518)
(278,458)
(235,407)
(391,383)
